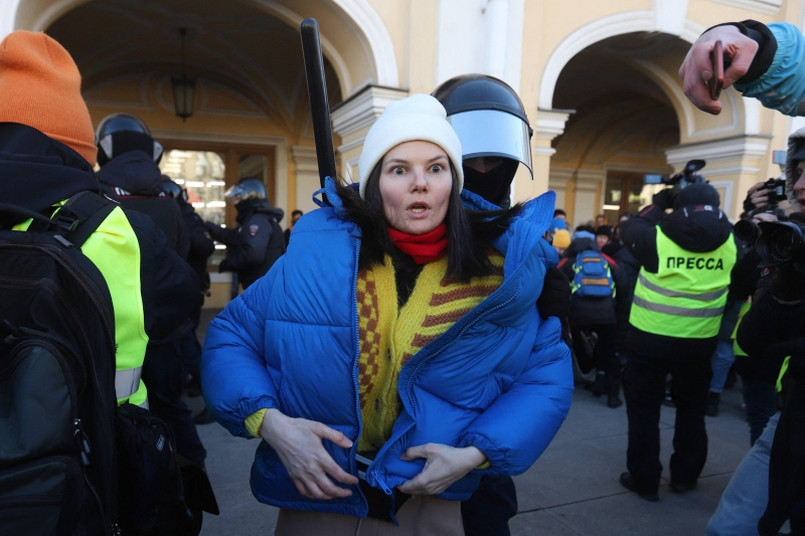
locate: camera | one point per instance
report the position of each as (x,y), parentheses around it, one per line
(680,180)
(780,243)
(746,230)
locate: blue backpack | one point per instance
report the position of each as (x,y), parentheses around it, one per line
(592,276)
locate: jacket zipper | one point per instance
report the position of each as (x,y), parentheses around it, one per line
(409,392)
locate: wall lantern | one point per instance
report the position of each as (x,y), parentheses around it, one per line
(184,88)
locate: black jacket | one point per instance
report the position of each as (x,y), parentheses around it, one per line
(201,245)
(628,269)
(766,323)
(38,171)
(773,328)
(135,181)
(256,243)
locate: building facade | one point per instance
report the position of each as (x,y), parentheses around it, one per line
(598,80)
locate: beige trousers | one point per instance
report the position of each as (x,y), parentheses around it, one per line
(419,516)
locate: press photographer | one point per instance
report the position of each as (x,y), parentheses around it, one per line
(763,200)
(773,336)
(772,53)
(773,331)
(668,331)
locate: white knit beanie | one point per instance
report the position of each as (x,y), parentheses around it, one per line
(418,117)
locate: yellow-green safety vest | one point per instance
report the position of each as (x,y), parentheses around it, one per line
(687,295)
(114,249)
(736,348)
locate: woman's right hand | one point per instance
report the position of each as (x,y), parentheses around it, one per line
(298,442)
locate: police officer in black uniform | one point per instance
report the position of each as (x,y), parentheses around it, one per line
(129,157)
(491,123)
(201,244)
(258,241)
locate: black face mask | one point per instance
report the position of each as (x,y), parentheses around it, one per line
(494,185)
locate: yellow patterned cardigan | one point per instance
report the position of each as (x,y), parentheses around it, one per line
(390,336)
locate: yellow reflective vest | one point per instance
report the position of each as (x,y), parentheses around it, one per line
(687,295)
(114,249)
(736,348)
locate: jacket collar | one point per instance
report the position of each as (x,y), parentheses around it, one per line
(39,171)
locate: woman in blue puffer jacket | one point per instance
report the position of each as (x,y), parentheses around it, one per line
(394,353)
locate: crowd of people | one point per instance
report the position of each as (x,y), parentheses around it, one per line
(452,316)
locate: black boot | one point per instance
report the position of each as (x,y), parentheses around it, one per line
(613,388)
(713,400)
(599,385)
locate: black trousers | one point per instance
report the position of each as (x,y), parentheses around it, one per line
(165,377)
(651,358)
(488,511)
(604,357)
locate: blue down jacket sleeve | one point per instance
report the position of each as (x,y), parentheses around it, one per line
(782,86)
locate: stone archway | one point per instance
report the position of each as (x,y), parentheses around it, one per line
(243,90)
(366,29)
(616,81)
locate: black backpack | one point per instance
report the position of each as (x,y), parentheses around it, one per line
(58,467)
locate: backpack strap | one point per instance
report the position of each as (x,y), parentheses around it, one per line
(78,218)
(38,219)
(87,210)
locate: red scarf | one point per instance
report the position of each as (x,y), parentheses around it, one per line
(423,248)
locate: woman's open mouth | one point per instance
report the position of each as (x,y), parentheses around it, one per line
(418,208)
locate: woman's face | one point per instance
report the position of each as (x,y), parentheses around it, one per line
(415,183)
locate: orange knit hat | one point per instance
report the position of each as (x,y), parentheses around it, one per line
(40,86)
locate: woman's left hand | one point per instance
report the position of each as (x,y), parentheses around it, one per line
(443,466)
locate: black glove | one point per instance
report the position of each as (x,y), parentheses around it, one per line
(664,198)
(555,297)
(212,228)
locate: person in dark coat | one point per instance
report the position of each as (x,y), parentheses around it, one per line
(258,241)
(766,62)
(201,248)
(295,215)
(47,155)
(628,269)
(594,319)
(481,103)
(130,174)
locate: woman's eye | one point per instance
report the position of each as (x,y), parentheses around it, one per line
(398,170)
(436,168)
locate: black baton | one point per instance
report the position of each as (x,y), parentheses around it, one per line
(319,107)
